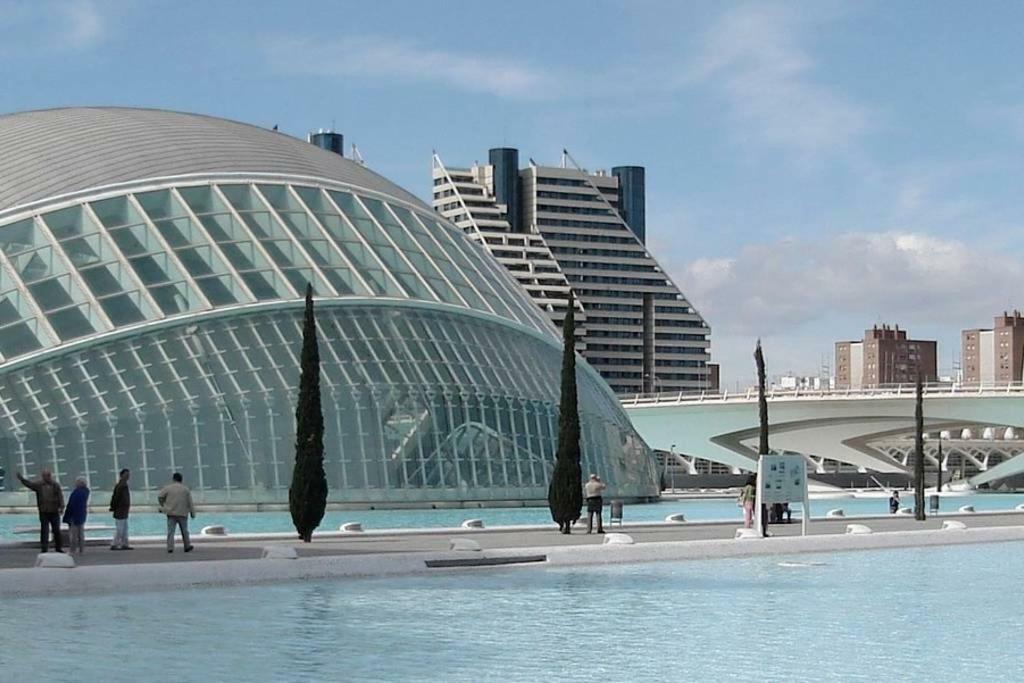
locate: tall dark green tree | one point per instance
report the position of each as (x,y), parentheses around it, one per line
(307,495)
(762,414)
(762,401)
(919,453)
(565,493)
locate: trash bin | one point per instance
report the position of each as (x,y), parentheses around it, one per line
(933,502)
(616,515)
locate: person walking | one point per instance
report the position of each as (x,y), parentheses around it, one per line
(176,502)
(74,515)
(50,503)
(748,494)
(120,505)
(595,502)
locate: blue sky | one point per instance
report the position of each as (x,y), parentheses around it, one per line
(813,168)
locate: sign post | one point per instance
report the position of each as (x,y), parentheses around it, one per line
(782,479)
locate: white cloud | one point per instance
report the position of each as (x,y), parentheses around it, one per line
(50,27)
(753,56)
(805,294)
(769,288)
(381,57)
(83,23)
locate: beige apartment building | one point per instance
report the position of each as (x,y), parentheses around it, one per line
(885,356)
(994,357)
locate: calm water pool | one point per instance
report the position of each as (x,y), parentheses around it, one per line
(938,614)
(695,510)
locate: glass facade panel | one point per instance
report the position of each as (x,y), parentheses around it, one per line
(125,309)
(71,323)
(20,236)
(68,222)
(19,338)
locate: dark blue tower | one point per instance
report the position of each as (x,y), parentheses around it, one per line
(632,202)
(331,141)
(505,161)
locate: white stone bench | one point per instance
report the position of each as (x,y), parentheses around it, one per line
(55,561)
(279,552)
(464,545)
(472,524)
(953,525)
(618,539)
(858,529)
(837,513)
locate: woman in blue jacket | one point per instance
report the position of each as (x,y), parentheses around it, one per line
(75,513)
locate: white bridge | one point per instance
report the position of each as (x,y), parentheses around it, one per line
(981,430)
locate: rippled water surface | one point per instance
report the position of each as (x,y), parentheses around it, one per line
(938,614)
(694,509)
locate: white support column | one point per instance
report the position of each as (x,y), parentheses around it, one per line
(759,496)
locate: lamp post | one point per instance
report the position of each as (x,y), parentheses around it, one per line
(672,452)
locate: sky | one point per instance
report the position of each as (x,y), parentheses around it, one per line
(813,168)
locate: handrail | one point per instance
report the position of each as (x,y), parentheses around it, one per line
(881,392)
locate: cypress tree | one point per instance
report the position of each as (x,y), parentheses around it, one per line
(762,401)
(565,493)
(919,453)
(762,414)
(307,495)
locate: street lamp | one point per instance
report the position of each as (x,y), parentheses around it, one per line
(672,452)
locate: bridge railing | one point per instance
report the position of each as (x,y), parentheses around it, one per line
(945,389)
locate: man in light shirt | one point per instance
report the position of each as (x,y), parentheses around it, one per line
(592,491)
(176,502)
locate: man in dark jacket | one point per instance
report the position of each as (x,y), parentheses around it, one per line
(75,515)
(120,504)
(50,502)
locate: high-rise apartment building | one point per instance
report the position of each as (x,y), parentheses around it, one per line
(556,227)
(992,357)
(885,356)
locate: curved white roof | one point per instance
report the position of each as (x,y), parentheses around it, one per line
(55,152)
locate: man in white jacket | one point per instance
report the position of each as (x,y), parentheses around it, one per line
(176,502)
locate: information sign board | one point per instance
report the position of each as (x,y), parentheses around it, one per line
(785,478)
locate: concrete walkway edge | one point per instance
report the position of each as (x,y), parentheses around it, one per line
(223,573)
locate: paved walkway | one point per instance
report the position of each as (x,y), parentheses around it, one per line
(220,548)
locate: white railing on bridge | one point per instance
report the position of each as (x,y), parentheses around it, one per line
(944,389)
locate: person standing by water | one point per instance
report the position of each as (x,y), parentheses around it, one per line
(894,502)
(176,502)
(120,505)
(748,494)
(75,514)
(50,503)
(595,502)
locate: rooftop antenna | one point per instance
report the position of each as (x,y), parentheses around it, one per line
(356,156)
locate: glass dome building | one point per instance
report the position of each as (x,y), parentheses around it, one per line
(152,271)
